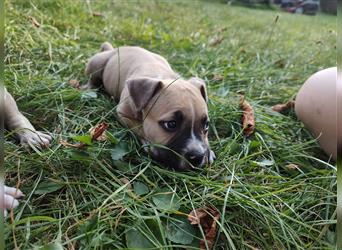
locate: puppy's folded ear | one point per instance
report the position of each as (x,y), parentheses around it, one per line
(200,84)
(142,90)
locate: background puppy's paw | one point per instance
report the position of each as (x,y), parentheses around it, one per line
(16,193)
(10,202)
(10,197)
(35,138)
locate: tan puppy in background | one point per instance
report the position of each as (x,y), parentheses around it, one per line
(167,112)
(317,107)
(27,135)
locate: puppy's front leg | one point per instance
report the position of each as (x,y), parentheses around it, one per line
(16,121)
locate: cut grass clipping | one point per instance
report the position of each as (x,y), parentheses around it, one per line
(273,190)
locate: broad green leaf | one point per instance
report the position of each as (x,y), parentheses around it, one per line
(331,237)
(119,151)
(52,246)
(264,163)
(89,94)
(166,200)
(86,139)
(135,239)
(111,138)
(140,188)
(254,144)
(234,147)
(89,225)
(122,166)
(47,187)
(33,219)
(79,155)
(154,227)
(180,231)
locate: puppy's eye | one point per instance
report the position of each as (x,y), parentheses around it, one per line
(206,126)
(170,126)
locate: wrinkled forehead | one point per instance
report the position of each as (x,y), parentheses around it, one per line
(179,96)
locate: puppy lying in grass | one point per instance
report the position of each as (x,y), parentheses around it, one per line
(167,112)
(27,135)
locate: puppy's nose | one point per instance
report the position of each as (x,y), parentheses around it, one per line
(195,157)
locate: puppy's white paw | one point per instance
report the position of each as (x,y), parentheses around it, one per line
(10,196)
(35,138)
(211,157)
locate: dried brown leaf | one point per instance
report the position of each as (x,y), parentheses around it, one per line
(216,40)
(292,166)
(242,50)
(207,218)
(98,132)
(223,29)
(95,13)
(196,215)
(280,63)
(250,245)
(70,145)
(34,21)
(284,107)
(248,121)
(118,217)
(195,34)
(217,77)
(74,83)
(276,19)
(126,181)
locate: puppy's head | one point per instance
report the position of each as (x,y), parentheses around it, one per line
(174,119)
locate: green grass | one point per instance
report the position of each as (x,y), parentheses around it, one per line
(77,198)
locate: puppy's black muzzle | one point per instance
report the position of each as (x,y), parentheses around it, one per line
(179,156)
(195,157)
(175,160)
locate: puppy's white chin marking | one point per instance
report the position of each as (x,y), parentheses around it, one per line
(185,165)
(145,144)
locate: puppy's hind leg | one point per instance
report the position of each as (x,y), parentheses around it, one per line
(95,67)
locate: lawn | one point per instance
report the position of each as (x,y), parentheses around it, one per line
(274,190)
